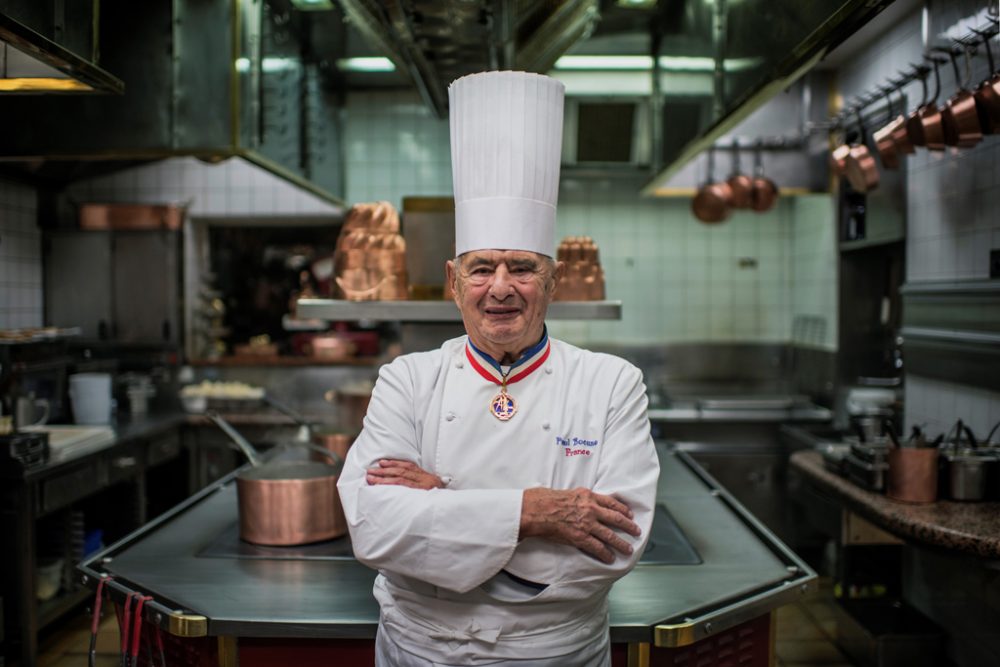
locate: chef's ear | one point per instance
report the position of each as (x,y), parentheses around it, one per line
(451,276)
(557,276)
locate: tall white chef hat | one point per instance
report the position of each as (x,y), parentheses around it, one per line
(506,144)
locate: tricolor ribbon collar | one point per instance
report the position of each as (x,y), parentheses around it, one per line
(489,368)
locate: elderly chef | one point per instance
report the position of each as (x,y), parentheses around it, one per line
(504,481)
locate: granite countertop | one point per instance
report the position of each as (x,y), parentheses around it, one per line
(969,527)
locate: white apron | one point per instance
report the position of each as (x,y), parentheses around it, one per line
(442,554)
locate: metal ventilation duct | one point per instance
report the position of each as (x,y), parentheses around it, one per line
(436,42)
(205,79)
(31,63)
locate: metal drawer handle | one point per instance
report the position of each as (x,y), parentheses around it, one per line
(124,462)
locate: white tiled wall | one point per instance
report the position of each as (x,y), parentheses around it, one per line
(951,202)
(679,280)
(234,187)
(395,147)
(814,273)
(20,257)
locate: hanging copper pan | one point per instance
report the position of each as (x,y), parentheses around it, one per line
(838,155)
(711,203)
(740,185)
(930,116)
(765,191)
(988,92)
(900,137)
(884,144)
(959,118)
(862,172)
(914,124)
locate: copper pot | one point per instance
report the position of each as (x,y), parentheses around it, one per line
(740,185)
(765,191)
(285,503)
(884,144)
(352,406)
(898,133)
(332,440)
(959,118)
(862,172)
(931,125)
(838,159)
(711,203)
(988,93)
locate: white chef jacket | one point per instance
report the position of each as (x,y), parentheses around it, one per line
(442,554)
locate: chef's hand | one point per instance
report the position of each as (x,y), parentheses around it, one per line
(579,518)
(403,473)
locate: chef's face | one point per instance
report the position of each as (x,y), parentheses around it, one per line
(503,296)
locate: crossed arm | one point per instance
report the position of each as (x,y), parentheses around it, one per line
(576,517)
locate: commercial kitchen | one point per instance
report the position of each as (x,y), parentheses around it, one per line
(218,220)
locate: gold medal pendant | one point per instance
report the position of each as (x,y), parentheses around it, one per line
(503,406)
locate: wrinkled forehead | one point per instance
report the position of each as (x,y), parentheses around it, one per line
(494,257)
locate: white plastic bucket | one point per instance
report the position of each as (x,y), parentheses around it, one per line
(90,395)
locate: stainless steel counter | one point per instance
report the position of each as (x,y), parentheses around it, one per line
(745,572)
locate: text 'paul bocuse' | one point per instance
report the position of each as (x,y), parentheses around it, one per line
(573,445)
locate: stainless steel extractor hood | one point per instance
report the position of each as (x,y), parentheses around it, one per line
(206,79)
(436,41)
(31,63)
(702,65)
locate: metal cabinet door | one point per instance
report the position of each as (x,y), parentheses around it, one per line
(146,287)
(78,282)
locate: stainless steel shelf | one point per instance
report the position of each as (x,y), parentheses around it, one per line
(441,311)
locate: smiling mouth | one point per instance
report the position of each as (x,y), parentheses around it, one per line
(502,312)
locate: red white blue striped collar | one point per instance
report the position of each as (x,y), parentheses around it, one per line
(490,369)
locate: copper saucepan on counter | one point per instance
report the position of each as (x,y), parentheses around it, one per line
(286,502)
(322,437)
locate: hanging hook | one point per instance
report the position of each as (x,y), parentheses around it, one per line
(888,102)
(986,37)
(937,77)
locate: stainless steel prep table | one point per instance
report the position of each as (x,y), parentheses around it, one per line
(744,574)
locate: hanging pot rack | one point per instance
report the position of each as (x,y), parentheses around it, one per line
(967,45)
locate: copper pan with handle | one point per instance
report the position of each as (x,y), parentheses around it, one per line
(931,124)
(900,137)
(959,118)
(740,185)
(988,92)
(862,172)
(884,143)
(286,502)
(765,191)
(914,123)
(711,203)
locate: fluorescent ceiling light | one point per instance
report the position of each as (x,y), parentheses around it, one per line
(645,63)
(370,64)
(605,62)
(270,64)
(312,5)
(637,4)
